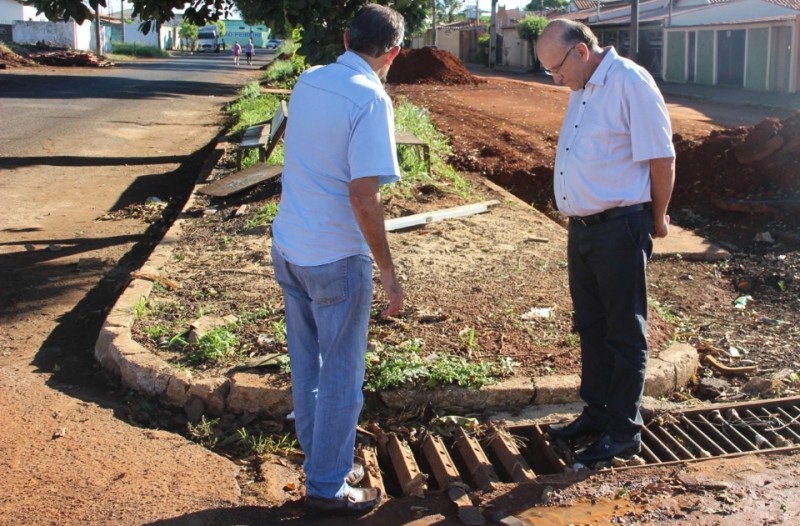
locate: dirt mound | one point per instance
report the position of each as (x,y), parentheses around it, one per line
(10,59)
(429,66)
(749,169)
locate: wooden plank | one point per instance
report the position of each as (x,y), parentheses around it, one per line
(276,91)
(398,223)
(409,138)
(242,180)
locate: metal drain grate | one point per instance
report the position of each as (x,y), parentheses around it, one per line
(517,454)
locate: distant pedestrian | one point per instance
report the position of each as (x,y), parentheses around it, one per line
(237,51)
(249,50)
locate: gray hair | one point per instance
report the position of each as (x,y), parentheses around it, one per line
(569,33)
(375,30)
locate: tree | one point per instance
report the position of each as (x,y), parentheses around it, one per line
(321,23)
(188,32)
(544,5)
(529,29)
(449,8)
(222,28)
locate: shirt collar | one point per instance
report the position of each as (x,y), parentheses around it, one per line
(354,61)
(600,74)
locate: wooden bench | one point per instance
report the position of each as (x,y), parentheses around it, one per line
(264,135)
(409,139)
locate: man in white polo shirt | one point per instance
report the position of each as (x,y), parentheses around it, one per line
(339,147)
(613,176)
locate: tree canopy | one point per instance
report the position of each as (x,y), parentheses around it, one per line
(539,5)
(530,28)
(321,23)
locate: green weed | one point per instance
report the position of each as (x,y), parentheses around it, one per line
(264,216)
(140,309)
(218,345)
(204,432)
(265,444)
(403,365)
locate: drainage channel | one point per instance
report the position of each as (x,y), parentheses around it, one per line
(482,459)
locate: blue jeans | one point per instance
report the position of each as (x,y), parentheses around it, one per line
(608,283)
(327,315)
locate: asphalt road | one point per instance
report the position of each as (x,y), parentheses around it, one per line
(75,145)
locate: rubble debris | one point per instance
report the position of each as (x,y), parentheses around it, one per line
(70,58)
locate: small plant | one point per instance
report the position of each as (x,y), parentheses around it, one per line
(264,216)
(266,444)
(140,309)
(279,330)
(216,346)
(155,332)
(204,432)
(470,342)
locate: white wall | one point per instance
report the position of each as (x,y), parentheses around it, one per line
(11,11)
(66,34)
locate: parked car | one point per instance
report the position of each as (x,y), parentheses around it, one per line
(273,43)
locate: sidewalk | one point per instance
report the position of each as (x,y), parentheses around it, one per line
(721,94)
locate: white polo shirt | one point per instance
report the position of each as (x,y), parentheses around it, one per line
(613,127)
(340,128)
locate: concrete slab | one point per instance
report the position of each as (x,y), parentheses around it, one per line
(688,245)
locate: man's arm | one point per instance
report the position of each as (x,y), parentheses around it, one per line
(365,198)
(662,180)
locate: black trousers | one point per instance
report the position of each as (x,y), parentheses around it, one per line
(607,265)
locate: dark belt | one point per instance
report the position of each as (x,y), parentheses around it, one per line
(611,213)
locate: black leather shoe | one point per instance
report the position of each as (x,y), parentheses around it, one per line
(579,427)
(358,502)
(606,448)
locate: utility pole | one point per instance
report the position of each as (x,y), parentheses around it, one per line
(122,18)
(633,53)
(434,22)
(96,5)
(492,35)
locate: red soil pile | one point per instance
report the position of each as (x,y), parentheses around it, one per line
(746,169)
(429,66)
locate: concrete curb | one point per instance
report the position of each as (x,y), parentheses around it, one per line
(266,395)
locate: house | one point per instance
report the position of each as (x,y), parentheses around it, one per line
(750,44)
(12,11)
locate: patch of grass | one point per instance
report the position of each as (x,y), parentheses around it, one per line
(219,345)
(404,366)
(265,444)
(137,50)
(411,118)
(265,215)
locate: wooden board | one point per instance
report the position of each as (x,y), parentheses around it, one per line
(398,223)
(241,180)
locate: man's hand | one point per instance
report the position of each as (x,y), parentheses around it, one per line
(394,293)
(661,227)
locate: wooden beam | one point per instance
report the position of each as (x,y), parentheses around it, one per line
(398,223)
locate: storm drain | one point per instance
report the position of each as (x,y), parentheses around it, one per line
(480,459)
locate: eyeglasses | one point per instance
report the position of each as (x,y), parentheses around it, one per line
(554,70)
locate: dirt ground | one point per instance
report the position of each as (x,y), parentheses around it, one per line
(469,283)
